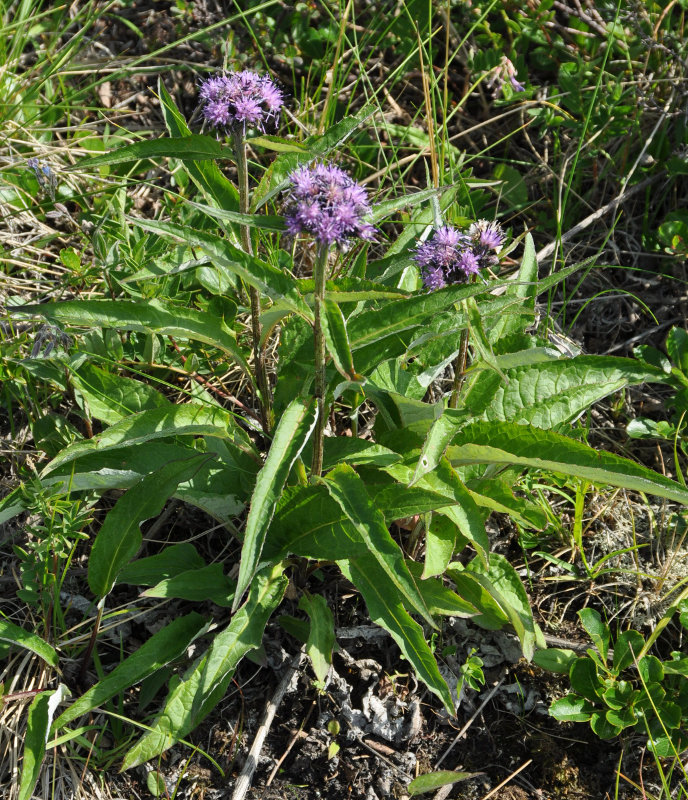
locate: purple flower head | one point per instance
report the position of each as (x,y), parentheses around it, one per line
(325,202)
(487,235)
(241,100)
(503,72)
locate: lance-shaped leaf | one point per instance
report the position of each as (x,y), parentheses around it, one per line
(320,635)
(205,174)
(164,646)
(269,280)
(188,148)
(40,717)
(149,316)
(386,609)
(478,338)
(262,221)
(186,420)
(289,438)
(337,341)
(505,443)
(349,491)
(119,538)
(435,780)
(192,698)
(441,433)
(525,289)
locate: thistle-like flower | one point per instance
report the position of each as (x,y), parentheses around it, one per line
(241,100)
(450,256)
(325,202)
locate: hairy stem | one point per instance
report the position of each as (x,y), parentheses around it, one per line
(320,383)
(261,375)
(459,369)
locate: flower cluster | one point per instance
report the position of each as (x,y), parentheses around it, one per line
(503,72)
(241,99)
(450,256)
(44,175)
(325,202)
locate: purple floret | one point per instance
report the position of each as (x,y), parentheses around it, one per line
(325,202)
(241,100)
(485,234)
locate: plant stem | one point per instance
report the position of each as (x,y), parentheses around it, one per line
(86,660)
(261,375)
(319,270)
(459,369)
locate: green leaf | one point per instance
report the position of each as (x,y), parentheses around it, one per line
(349,491)
(111,397)
(549,393)
(571,708)
(173,560)
(119,538)
(584,679)
(147,426)
(434,780)
(9,632)
(320,636)
(440,599)
(336,339)
(261,221)
(524,288)
(277,144)
(149,316)
(502,443)
(442,431)
(627,649)
(472,589)
(192,698)
(441,536)
(204,583)
(205,174)
(269,280)
(39,719)
(189,148)
(555,659)
(380,596)
(478,338)
(602,727)
(164,646)
(597,630)
(289,438)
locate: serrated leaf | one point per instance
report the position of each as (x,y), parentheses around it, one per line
(192,698)
(119,538)
(9,632)
(349,491)
(320,636)
(503,443)
(149,316)
(289,438)
(164,646)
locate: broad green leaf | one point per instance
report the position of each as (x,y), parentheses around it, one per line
(203,583)
(441,433)
(571,708)
(496,494)
(349,491)
(185,420)
(111,397)
(504,585)
(9,632)
(149,316)
(173,560)
(505,443)
(192,698)
(289,438)
(549,393)
(585,680)
(189,148)
(385,609)
(206,174)
(336,339)
(434,780)
(320,636)
(269,280)
(471,589)
(164,646)
(555,659)
(119,538)
(39,719)
(441,535)
(627,649)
